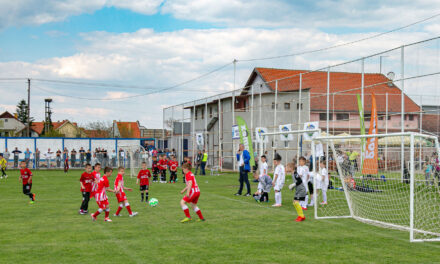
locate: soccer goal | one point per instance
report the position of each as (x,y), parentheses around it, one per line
(387,180)
(133,157)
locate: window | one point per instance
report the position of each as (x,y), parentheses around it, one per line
(410,117)
(389,117)
(298,105)
(273,106)
(286,106)
(195,114)
(342,117)
(367,117)
(240,103)
(210,111)
(381,117)
(6,120)
(323,116)
(203,113)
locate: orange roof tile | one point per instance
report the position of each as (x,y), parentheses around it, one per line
(39,126)
(339,82)
(129,129)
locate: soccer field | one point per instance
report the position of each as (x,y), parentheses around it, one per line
(237,230)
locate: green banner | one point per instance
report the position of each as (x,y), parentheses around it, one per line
(362,120)
(245,138)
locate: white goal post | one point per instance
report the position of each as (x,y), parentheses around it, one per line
(396,195)
(133,157)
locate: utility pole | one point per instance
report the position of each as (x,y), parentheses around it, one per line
(29,109)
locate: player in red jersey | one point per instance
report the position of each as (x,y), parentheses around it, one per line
(96,177)
(192,194)
(101,195)
(66,164)
(143,179)
(86,181)
(173,164)
(26,179)
(185,160)
(163,169)
(120,194)
(155,168)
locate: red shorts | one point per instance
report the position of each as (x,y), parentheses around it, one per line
(193,198)
(102,204)
(121,197)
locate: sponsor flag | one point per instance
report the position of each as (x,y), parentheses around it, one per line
(245,138)
(286,128)
(370,165)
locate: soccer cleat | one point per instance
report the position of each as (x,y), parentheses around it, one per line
(300,219)
(276,205)
(107,219)
(133,214)
(323,203)
(237,194)
(201,220)
(304,208)
(186,219)
(33,197)
(93,217)
(248,194)
(117,215)
(31,202)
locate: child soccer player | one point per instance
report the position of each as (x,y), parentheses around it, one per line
(173,164)
(264,186)
(101,195)
(300,192)
(96,177)
(26,179)
(155,168)
(143,179)
(163,169)
(86,181)
(120,194)
(192,194)
(323,181)
(279,177)
(3,164)
(66,164)
(303,172)
(185,160)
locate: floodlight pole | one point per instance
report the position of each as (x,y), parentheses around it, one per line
(402,114)
(28,130)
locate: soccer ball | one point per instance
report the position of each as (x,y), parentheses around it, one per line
(153,202)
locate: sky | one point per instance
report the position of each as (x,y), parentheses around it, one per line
(144,46)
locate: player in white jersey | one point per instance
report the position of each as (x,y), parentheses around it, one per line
(263,170)
(279,177)
(323,180)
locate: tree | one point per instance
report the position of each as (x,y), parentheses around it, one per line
(102,128)
(52,133)
(22,112)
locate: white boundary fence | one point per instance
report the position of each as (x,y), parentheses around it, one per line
(55,144)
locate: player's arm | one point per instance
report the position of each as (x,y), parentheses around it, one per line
(128,189)
(188,187)
(118,189)
(20,178)
(274,179)
(108,189)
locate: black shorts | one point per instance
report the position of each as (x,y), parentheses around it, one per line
(27,188)
(143,187)
(310,185)
(299,198)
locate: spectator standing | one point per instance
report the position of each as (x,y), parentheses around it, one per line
(88,156)
(65,154)
(113,158)
(27,157)
(73,158)
(243,158)
(82,154)
(58,158)
(48,157)
(198,161)
(104,157)
(16,153)
(37,158)
(121,157)
(6,155)
(203,163)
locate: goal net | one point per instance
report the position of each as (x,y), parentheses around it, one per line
(132,158)
(389,180)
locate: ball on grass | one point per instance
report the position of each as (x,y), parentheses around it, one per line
(153,202)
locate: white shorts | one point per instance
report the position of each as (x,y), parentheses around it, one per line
(278,186)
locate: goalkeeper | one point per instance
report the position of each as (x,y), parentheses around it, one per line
(300,192)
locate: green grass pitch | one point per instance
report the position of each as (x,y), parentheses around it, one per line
(237,230)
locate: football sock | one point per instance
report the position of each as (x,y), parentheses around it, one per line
(127,205)
(278,197)
(186,211)
(107,212)
(97,212)
(324,195)
(146,197)
(31,195)
(312,200)
(142,195)
(298,209)
(119,209)
(306,202)
(198,212)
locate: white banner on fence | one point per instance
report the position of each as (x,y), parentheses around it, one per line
(199,139)
(310,126)
(259,137)
(235,132)
(286,128)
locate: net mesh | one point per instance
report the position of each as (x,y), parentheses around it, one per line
(133,157)
(384,196)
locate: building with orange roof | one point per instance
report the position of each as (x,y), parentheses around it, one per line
(65,128)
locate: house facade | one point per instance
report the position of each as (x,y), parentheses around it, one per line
(10,126)
(65,128)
